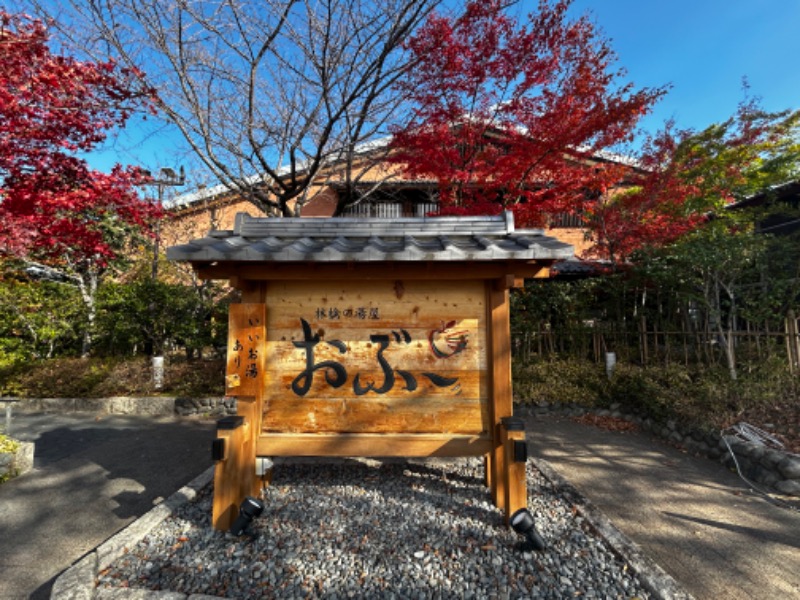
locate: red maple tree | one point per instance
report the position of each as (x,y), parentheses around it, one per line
(688,175)
(512,115)
(53,107)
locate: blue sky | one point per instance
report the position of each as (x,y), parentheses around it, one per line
(703,48)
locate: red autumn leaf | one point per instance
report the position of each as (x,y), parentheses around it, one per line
(51,107)
(509,115)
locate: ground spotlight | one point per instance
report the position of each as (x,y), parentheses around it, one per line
(522,522)
(249,510)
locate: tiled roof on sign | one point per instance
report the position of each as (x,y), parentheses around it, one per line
(392,240)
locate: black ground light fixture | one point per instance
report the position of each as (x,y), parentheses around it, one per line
(249,510)
(522,522)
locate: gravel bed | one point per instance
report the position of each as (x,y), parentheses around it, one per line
(379,529)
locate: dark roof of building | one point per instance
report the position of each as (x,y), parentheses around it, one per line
(372,240)
(785,192)
(577,268)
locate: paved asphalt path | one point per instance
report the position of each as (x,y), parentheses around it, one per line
(93,475)
(695,519)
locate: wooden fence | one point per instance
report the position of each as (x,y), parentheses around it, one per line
(643,344)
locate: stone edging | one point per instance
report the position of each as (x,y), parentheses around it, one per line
(78,581)
(770,468)
(133,405)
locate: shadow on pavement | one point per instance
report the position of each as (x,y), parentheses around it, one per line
(92,476)
(696,519)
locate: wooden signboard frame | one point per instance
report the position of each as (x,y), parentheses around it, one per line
(283,314)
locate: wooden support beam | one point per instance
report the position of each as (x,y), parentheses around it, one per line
(249,409)
(252,409)
(371,445)
(440,271)
(501,404)
(235,475)
(504,283)
(230,473)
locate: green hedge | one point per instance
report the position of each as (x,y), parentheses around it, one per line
(104,377)
(704,397)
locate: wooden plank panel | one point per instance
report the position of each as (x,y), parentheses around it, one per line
(287,414)
(471,385)
(404,295)
(376,445)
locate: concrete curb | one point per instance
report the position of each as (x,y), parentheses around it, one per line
(657,581)
(78,581)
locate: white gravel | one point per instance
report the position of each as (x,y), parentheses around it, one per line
(379,529)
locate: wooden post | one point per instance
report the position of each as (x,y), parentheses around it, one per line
(516,456)
(501,403)
(792,342)
(248,409)
(229,472)
(235,474)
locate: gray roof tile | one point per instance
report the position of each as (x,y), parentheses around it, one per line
(379,240)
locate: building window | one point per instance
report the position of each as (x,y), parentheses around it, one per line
(394,203)
(565,220)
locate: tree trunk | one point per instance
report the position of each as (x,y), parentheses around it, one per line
(87,283)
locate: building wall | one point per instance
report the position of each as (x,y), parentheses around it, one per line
(184,225)
(322,203)
(572,235)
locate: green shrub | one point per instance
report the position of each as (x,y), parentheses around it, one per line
(651,392)
(104,377)
(8,445)
(568,381)
(705,398)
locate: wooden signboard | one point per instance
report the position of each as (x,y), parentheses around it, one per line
(369,368)
(244,375)
(376,357)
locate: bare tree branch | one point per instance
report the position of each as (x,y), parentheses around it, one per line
(266,93)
